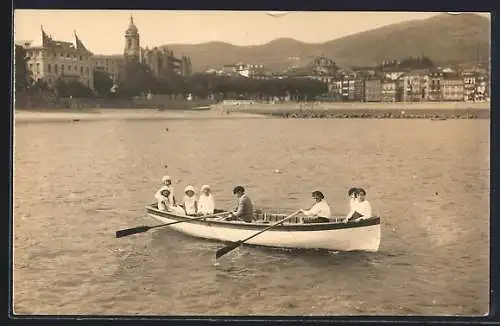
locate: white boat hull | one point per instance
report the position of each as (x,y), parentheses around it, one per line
(353,236)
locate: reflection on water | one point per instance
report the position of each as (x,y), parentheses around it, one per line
(76,184)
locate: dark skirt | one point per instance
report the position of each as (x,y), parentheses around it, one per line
(318,219)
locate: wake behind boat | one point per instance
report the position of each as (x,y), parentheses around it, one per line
(361,235)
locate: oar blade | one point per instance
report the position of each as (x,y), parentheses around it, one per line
(221,252)
(126,232)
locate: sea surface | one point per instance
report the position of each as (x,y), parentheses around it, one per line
(76,183)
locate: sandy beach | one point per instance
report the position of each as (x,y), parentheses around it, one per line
(246,111)
(123,114)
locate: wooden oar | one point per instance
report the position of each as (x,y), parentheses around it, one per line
(234,245)
(144,228)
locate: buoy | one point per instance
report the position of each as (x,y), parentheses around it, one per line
(166,166)
(166,129)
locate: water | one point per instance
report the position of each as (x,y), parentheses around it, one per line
(77,183)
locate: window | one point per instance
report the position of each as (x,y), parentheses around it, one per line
(129,43)
(31,66)
(81,58)
(81,71)
(62,69)
(38,68)
(87,70)
(49,68)
(56,70)
(67,55)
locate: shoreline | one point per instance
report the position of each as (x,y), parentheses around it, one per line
(42,116)
(428,110)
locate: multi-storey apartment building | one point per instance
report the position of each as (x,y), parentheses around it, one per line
(452,87)
(373,90)
(388,90)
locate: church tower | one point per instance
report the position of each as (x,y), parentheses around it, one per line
(132,44)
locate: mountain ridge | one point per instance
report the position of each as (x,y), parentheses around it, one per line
(443,37)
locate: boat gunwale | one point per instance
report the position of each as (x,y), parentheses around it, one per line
(372,221)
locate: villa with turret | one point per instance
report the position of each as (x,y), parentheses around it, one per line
(52,59)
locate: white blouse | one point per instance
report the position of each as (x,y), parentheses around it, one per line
(320,209)
(190,204)
(206,204)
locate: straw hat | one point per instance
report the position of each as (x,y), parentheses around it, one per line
(166,178)
(205,187)
(188,188)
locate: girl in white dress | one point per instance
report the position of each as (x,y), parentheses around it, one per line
(190,201)
(206,203)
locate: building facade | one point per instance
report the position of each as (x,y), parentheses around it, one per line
(52,60)
(414,87)
(388,90)
(452,88)
(373,90)
(161,61)
(110,64)
(469,85)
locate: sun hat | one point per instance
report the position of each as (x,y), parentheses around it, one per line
(166,178)
(188,188)
(205,187)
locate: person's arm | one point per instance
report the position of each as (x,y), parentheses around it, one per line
(366,210)
(159,196)
(196,206)
(210,205)
(311,212)
(239,211)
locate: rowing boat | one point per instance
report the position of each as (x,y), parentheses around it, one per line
(363,235)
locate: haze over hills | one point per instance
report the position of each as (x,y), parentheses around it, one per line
(443,38)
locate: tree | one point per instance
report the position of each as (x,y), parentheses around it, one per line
(22,73)
(67,88)
(102,82)
(138,79)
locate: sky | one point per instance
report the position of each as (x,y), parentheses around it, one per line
(102,31)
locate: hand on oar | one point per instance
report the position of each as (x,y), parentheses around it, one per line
(234,245)
(144,228)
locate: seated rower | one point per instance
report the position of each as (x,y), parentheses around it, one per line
(319,212)
(206,203)
(244,211)
(362,208)
(190,201)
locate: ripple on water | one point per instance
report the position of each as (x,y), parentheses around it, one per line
(430,186)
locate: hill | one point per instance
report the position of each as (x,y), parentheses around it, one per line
(443,38)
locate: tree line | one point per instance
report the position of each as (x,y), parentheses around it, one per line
(137,79)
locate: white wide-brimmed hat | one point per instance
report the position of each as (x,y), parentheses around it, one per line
(205,187)
(189,188)
(166,178)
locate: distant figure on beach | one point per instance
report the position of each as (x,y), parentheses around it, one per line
(206,203)
(319,212)
(362,208)
(244,211)
(190,201)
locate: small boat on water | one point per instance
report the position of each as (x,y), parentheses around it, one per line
(201,108)
(338,236)
(438,119)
